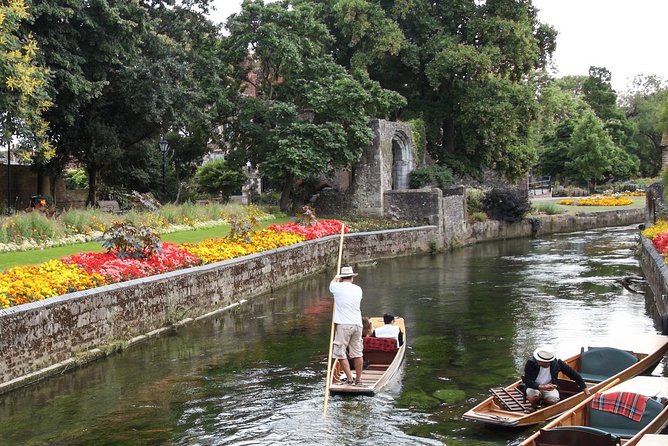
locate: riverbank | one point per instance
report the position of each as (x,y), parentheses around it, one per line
(48,337)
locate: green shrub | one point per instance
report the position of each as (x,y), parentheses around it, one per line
(439,176)
(546,208)
(506,204)
(217,177)
(570,191)
(84,221)
(126,240)
(474,202)
(478,216)
(76,178)
(32,226)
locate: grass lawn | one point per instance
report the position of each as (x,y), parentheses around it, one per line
(638,202)
(34,257)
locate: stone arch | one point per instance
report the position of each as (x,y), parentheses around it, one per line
(402,160)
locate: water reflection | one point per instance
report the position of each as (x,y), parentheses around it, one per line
(255,376)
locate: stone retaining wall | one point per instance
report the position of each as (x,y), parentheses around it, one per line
(656,273)
(46,337)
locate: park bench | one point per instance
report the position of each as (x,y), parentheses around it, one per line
(109,206)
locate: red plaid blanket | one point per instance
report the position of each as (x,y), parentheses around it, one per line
(629,404)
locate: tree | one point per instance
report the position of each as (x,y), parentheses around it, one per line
(218,177)
(23,82)
(589,154)
(292,75)
(466,70)
(125,73)
(642,105)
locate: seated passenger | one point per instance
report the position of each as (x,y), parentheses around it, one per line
(389,330)
(540,377)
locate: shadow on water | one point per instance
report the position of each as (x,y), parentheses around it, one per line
(255,376)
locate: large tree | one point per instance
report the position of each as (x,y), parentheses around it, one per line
(124,73)
(302,114)
(642,105)
(464,67)
(23,82)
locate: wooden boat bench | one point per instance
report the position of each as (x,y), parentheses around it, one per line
(575,436)
(511,399)
(622,426)
(600,363)
(379,350)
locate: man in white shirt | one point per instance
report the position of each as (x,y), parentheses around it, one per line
(389,330)
(348,320)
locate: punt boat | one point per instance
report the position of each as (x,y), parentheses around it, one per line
(599,367)
(382,361)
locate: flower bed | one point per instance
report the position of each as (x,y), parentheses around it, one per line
(89,270)
(321,229)
(596,201)
(658,234)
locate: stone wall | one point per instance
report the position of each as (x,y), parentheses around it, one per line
(47,337)
(656,273)
(383,166)
(548,224)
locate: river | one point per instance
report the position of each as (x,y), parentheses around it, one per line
(255,375)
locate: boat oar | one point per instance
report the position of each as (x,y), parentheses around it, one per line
(331,335)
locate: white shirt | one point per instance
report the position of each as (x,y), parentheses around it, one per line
(544,376)
(388,331)
(347,299)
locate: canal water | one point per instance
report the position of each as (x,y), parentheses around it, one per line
(255,376)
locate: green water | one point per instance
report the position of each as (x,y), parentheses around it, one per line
(256,376)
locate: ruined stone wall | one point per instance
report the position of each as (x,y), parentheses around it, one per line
(42,338)
(373,174)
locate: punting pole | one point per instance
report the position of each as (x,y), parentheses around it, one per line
(331,335)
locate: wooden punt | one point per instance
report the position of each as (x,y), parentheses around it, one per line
(383,365)
(507,406)
(584,425)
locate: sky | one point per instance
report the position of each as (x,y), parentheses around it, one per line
(625,36)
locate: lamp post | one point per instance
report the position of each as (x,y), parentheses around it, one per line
(9,175)
(164,146)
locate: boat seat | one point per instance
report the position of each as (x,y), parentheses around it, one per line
(599,364)
(379,350)
(376,344)
(575,436)
(620,425)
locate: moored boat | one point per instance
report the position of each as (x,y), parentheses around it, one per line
(599,367)
(382,358)
(620,415)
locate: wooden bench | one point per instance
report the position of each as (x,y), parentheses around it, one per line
(109,206)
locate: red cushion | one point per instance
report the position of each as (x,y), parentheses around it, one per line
(372,343)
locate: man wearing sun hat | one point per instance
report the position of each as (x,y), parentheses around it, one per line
(540,376)
(348,320)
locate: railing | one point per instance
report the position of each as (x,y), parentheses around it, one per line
(543,185)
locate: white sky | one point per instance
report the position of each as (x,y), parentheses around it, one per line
(628,37)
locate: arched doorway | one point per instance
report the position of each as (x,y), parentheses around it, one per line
(402,160)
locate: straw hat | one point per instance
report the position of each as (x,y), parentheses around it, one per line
(347,271)
(544,353)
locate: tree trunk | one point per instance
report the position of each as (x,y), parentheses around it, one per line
(285,193)
(92,186)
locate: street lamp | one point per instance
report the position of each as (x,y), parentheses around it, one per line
(164,147)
